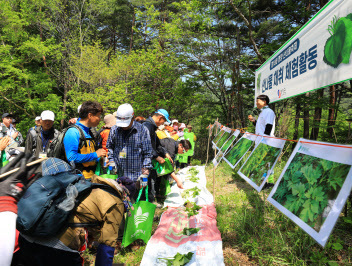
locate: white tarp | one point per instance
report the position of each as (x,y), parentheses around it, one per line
(168,239)
(174,198)
(314,185)
(318,55)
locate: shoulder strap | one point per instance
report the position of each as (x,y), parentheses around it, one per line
(82,137)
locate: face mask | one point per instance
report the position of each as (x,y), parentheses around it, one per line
(176,128)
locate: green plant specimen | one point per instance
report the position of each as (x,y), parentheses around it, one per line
(338,47)
(194,179)
(216,139)
(191,208)
(179,259)
(191,192)
(190,231)
(237,151)
(260,162)
(309,187)
(193,171)
(223,139)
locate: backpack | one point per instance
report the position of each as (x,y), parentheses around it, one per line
(57,148)
(38,211)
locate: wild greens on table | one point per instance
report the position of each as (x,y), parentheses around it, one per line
(178,259)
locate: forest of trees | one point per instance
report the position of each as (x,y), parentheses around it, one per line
(195,58)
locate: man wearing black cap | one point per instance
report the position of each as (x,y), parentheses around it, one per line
(7,129)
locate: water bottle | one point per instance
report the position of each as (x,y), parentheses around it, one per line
(112,167)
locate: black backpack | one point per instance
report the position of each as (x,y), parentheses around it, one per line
(57,148)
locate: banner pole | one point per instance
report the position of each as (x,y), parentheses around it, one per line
(217,120)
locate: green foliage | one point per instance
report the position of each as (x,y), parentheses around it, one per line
(228,143)
(191,208)
(191,192)
(307,186)
(338,47)
(218,136)
(238,150)
(190,231)
(178,259)
(260,162)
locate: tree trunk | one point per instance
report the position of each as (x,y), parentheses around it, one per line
(298,114)
(306,118)
(331,121)
(317,116)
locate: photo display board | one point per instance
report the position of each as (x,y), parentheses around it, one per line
(261,162)
(217,137)
(235,154)
(314,186)
(225,147)
(223,138)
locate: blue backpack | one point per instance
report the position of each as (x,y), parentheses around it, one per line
(38,212)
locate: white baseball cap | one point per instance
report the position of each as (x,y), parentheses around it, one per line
(38,118)
(48,115)
(174,121)
(124,115)
(79,108)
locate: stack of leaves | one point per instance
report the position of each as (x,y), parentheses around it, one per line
(178,259)
(191,192)
(193,171)
(191,208)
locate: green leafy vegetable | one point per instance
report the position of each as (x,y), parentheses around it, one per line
(178,259)
(191,192)
(190,231)
(191,208)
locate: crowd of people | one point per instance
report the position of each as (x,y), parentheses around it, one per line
(128,146)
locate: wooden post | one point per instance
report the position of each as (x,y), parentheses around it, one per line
(217,120)
(209,135)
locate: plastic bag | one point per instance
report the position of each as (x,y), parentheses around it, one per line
(71,195)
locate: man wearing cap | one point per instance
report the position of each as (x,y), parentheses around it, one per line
(159,153)
(7,129)
(39,139)
(129,146)
(37,123)
(84,155)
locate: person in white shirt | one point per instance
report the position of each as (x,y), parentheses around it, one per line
(265,125)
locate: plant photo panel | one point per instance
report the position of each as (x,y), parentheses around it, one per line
(235,154)
(261,162)
(225,147)
(217,137)
(314,186)
(223,138)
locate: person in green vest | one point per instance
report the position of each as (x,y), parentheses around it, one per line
(189,135)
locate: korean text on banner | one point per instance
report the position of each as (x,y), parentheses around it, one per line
(318,55)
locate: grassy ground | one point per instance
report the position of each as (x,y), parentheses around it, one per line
(254,232)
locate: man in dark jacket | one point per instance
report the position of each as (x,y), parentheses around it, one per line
(173,148)
(159,153)
(39,139)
